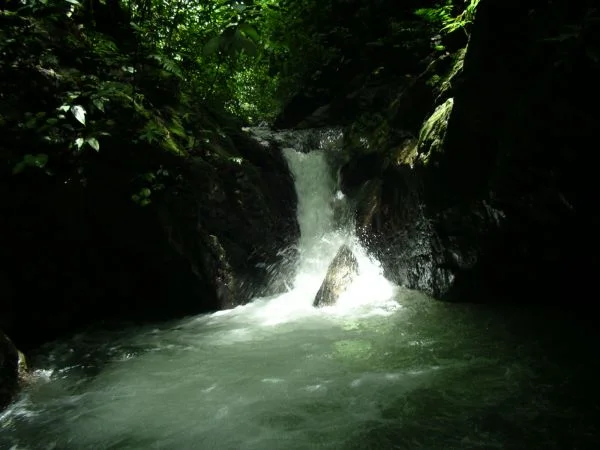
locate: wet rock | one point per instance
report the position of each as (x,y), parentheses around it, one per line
(9,370)
(235,220)
(433,133)
(210,239)
(341,272)
(496,196)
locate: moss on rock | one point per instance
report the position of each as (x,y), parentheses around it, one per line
(433,133)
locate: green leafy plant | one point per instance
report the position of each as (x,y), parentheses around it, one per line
(39,161)
(444,17)
(152,182)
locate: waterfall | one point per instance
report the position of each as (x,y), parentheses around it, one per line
(278,373)
(325,225)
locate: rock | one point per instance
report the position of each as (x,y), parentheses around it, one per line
(368,212)
(433,132)
(9,370)
(209,240)
(341,272)
(499,193)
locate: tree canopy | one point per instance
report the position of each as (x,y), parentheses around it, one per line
(75,71)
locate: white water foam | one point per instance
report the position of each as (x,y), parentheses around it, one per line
(320,238)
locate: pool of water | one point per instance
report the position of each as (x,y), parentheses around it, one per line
(420,374)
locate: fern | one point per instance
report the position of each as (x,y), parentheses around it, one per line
(438,16)
(168,65)
(442,16)
(463,20)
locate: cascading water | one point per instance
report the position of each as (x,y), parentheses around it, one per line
(322,232)
(366,373)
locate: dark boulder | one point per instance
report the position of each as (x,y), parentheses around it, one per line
(9,370)
(212,238)
(496,194)
(340,274)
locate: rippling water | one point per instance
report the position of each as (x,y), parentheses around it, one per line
(424,375)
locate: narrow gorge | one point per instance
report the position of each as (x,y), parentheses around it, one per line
(268,224)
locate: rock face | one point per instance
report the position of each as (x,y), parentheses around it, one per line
(341,272)
(172,209)
(481,192)
(9,370)
(494,197)
(209,240)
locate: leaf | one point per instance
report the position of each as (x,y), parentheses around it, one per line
(246,45)
(29,160)
(592,55)
(74,2)
(19,167)
(79,113)
(64,108)
(172,67)
(145,192)
(79,142)
(93,142)
(211,47)
(250,32)
(38,160)
(99,103)
(41,159)
(168,65)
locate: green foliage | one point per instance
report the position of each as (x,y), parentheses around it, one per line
(69,93)
(131,77)
(440,15)
(168,65)
(444,16)
(40,160)
(206,45)
(464,19)
(151,182)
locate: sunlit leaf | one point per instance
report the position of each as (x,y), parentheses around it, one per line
(93,142)
(99,103)
(79,142)
(79,113)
